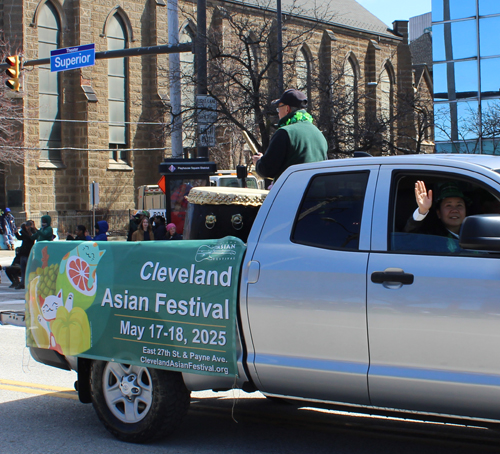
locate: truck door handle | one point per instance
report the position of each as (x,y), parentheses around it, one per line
(392,275)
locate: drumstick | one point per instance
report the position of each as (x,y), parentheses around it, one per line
(249,142)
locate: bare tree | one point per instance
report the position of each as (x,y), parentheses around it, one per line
(353,116)
(418,111)
(348,112)
(490,125)
(243,71)
(462,126)
(468,130)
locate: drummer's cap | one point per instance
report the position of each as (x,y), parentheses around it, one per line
(292,98)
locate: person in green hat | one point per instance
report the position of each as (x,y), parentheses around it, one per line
(296,141)
(450,206)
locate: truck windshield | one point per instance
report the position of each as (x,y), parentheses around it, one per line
(234,183)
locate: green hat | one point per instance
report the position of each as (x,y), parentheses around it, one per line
(449,189)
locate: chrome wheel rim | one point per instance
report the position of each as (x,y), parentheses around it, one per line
(128,391)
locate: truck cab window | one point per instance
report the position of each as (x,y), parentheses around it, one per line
(330,213)
(450,199)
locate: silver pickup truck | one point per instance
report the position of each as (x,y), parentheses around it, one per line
(341,304)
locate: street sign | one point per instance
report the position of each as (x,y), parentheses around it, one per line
(206,135)
(187,168)
(162,184)
(206,109)
(72,58)
(94,193)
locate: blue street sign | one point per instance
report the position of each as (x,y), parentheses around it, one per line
(72,57)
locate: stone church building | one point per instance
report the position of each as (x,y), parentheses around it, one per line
(103,123)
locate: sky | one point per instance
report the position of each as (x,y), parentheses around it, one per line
(390,10)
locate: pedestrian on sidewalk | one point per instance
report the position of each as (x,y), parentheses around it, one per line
(172,232)
(8,226)
(25,235)
(81,234)
(13,271)
(144,232)
(101,229)
(45,233)
(159,228)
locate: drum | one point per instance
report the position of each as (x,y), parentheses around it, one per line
(216,212)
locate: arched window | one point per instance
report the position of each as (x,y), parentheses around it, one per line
(386,106)
(188,89)
(303,71)
(49,27)
(117,91)
(351,101)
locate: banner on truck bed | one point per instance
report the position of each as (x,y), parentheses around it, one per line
(168,304)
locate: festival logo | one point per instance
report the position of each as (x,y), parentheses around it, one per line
(215,252)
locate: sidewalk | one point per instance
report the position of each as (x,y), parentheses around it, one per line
(11,301)
(6,258)
(7,253)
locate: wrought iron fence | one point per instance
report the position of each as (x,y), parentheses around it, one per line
(66,222)
(118,222)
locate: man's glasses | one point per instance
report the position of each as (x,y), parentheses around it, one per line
(279,107)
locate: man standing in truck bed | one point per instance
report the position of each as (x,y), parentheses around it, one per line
(296,140)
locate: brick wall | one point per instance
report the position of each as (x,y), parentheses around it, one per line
(83,21)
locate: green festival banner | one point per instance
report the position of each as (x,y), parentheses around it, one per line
(168,304)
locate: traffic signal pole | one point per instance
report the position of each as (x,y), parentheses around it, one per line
(120,53)
(200,51)
(184,168)
(13,72)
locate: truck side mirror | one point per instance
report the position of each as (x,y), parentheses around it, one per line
(481,232)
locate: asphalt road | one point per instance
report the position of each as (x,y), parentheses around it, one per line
(40,413)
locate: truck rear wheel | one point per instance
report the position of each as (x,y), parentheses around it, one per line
(137,404)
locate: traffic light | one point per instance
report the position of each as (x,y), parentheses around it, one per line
(13,72)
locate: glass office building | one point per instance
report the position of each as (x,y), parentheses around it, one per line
(466,67)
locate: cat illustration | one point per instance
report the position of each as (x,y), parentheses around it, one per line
(49,311)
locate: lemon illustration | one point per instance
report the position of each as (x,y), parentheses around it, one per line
(75,278)
(71,330)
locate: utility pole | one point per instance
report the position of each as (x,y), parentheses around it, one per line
(280,47)
(175,81)
(201,59)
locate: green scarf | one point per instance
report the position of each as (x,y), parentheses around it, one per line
(298,115)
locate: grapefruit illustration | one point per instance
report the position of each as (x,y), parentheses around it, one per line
(75,278)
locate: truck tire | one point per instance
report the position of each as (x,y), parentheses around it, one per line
(137,404)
